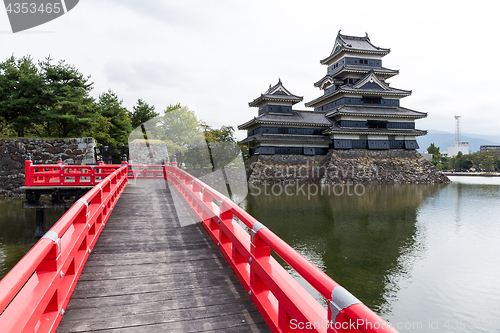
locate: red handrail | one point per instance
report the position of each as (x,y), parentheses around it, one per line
(282,301)
(146,171)
(34,294)
(66,175)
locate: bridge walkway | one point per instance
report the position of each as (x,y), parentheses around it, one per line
(155,269)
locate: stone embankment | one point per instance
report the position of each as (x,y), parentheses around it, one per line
(357,166)
(13,153)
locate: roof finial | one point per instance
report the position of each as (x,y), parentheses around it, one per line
(269,86)
(339,31)
(279,79)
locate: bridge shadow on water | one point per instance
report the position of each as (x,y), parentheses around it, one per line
(364,239)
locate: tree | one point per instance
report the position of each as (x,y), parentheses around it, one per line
(222,145)
(20,92)
(68,110)
(461,162)
(142,113)
(433,150)
(181,133)
(115,117)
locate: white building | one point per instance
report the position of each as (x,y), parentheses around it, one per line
(458,146)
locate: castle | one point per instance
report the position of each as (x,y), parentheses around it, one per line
(357,110)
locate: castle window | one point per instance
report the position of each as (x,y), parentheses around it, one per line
(372,100)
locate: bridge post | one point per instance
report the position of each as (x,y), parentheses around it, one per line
(27,170)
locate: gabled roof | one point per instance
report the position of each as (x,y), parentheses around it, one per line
(379,71)
(367,90)
(371,81)
(296,118)
(276,93)
(353,44)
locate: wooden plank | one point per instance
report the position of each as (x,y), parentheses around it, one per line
(154,269)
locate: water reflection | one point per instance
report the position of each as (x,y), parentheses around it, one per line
(17,231)
(358,240)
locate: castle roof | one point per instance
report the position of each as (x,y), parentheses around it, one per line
(379,71)
(336,129)
(355,44)
(276,93)
(288,138)
(370,85)
(296,118)
(376,111)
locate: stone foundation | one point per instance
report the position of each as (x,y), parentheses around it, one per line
(357,166)
(13,153)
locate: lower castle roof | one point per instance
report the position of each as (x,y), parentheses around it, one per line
(376,111)
(289,138)
(296,118)
(336,129)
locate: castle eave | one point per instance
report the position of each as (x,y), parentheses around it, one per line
(362,92)
(288,138)
(370,131)
(297,118)
(376,111)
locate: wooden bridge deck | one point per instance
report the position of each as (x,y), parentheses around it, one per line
(154,269)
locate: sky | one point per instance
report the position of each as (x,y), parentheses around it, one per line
(215,56)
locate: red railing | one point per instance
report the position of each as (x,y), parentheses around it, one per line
(139,171)
(34,294)
(66,175)
(281,300)
(83,175)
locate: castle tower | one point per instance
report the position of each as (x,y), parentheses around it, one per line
(364,110)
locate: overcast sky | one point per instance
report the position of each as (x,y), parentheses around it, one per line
(216,56)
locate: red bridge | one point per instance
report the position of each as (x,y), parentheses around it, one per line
(154,268)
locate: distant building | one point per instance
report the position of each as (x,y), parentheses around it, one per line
(358,108)
(489,147)
(459,146)
(427,156)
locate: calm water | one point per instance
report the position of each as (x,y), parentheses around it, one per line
(17,231)
(424,257)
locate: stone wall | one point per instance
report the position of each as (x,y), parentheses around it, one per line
(358,166)
(13,153)
(140,153)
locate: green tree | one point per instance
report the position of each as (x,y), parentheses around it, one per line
(142,113)
(68,110)
(222,144)
(114,117)
(488,163)
(20,92)
(461,162)
(180,131)
(433,150)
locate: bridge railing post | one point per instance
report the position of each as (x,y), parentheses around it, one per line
(28,171)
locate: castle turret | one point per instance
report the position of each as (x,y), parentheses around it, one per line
(278,129)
